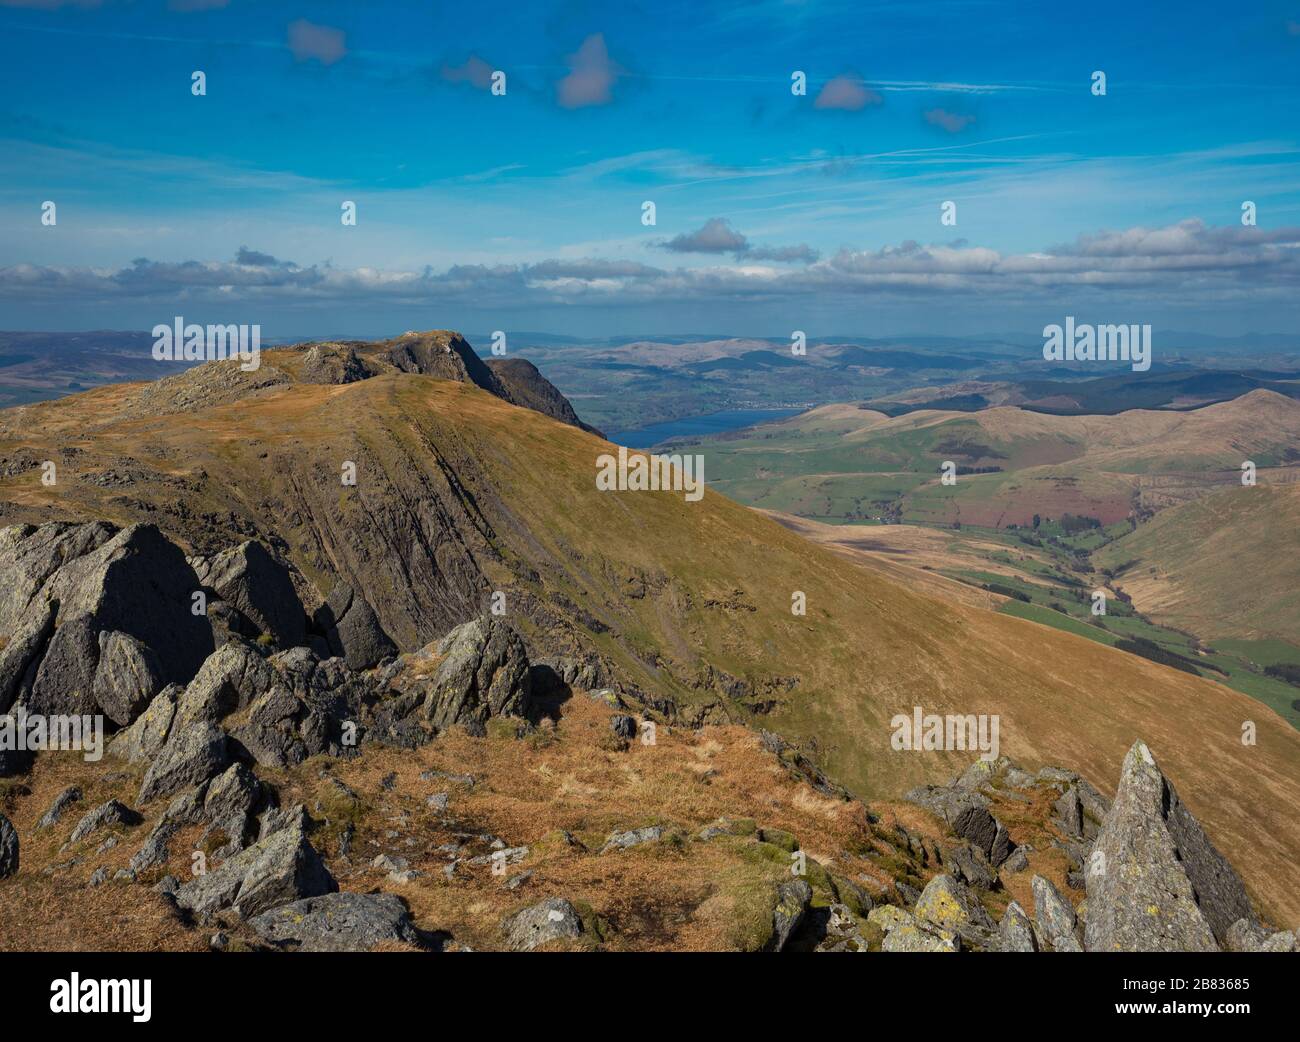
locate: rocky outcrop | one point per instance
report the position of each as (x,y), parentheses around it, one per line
(967,813)
(259,588)
(191,755)
(791,905)
(483,672)
(1155,881)
(341,922)
(524,386)
(127,677)
(274,872)
(1055,916)
(352,630)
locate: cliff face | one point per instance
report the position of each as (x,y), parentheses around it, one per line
(525,386)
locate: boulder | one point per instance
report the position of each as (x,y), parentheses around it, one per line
(966,813)
(352,629)
(8,848)
(276,871)
(1155,881)
(905,933)
(552,920)
(231,678)
(792,900)
(259,587)
(30,556)
(948,903)
(192,755)
(632,838)
(127,677)
(1055,916)
(106,815)
(340,922)
(483,673)
(1015,931)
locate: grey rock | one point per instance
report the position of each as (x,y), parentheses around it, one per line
(948,903)
(484,673)
(1155,881)
(99,877)
(1069,813)
(632,838)
(551,920)
(339,922)
(8,848)
(623,726)
(249,578)
(1055,915)
(192,755)
(144,739)
(127,677)
(231,678)
(276,871)
(59,807)
(438,802)
(65,679)
(22,653)
(904,932)
(967,862)
(967,814)
(154,852)
(1246,935)
(106,815)
(352,629)
(792,900)
(138,583)
(1015,931)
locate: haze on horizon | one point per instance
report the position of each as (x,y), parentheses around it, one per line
(523,210)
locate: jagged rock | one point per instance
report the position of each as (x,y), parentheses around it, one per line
(623,726)
(523,385)
(342,922)
(138,583)
(330,364)
(1155,881)
(1017,860)
(230,802)
(484,673)
(1069,813)
(352,629)
(249,578)
(1015,931)
(99,877)
(29,556)
(967,814)
(276,871)
(192,755)
(1055,916)
(127,677)
(61,803)
(947,903)
(968,863)
(154,852)
(792,900)
(8,848)
(231,678)
(551,920)
(144,739)
(106,815)
(65,679)
(905,933)
(632,838)
(23,650)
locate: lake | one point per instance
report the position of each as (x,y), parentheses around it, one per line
(697,426)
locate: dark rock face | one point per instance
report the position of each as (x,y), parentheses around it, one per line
(65,680)
(276,871)
(526,387)
(138,583)
(23,651)
(967,814)
(342,922)
(8,848)
(259,587)
(352,629)
(792,900)
(1155,881)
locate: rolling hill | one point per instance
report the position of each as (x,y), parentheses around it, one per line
(686,606)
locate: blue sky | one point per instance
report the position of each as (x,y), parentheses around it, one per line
(773,212)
